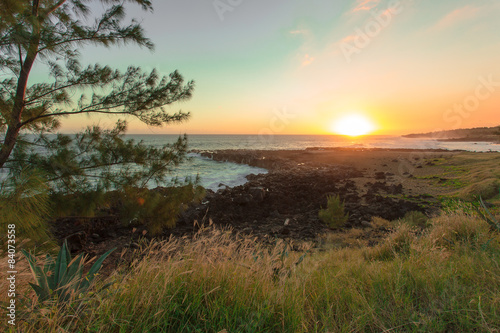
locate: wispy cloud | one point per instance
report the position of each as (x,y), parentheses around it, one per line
(307,60)
(365,5)
(348,39)
(458,15)
(298,32)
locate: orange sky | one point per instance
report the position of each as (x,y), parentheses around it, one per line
(292,68)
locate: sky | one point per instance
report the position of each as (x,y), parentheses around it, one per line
(300,67)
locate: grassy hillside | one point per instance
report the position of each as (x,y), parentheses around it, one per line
(464,134)
(440,275)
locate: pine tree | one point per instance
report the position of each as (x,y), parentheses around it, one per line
(50,33)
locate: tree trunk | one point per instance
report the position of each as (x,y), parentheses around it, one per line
(14,125)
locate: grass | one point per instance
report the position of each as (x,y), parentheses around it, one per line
(444,278)
(474,175)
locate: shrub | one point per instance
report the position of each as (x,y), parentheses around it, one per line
(62,278)
(456,229)
(488,217)
(396,243)
(416,219)
(157,209)
(334,215)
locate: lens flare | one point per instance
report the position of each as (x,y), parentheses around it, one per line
(353,125)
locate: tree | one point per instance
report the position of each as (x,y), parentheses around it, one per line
(50,33)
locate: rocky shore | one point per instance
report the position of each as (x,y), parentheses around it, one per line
(284,203)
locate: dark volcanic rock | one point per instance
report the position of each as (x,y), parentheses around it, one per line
(297,193)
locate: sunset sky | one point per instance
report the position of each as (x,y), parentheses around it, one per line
(299,67)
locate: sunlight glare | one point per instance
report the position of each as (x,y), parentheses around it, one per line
(353,125)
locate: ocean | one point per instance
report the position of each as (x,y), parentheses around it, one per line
(214,175)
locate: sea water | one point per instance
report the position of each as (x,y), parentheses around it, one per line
(214,175)
(292,142)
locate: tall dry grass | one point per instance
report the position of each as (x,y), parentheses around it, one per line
(443,279)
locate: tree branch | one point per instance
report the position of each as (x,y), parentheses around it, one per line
(55,7)
(70,113)
(20,55)
(34,99)
(81,39)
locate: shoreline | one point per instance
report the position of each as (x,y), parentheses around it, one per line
(284,203)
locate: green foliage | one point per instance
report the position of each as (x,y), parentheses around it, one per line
(397,243)
(156,209)
(281,267)
(213,283)
(63,278)
(85,204)
(416,219)
(450,205)
(24,202)
(97,160)
(50,35)
(488,217)
(334,215)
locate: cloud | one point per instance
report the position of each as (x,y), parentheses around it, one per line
(307,60)
(365,5)
(298,32)
(348,39)
(458,15)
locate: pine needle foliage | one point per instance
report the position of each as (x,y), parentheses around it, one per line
(49,35)
(97,160)
(24,202)
(156,209)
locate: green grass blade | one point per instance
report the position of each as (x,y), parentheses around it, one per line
(93,270)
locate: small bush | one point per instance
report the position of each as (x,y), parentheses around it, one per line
(334,215)
(156,209)
(451,230)
(397,243)
(62,278)
(416,219)
(379,222)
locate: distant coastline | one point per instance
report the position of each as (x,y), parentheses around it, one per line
(478,134)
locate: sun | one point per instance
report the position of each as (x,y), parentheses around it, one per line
(353,125)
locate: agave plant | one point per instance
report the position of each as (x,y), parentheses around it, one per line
(62,278)
(488,217)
